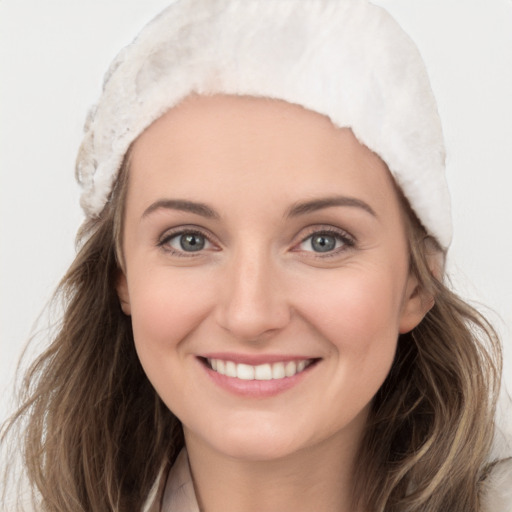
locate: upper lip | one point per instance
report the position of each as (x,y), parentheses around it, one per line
(256,359)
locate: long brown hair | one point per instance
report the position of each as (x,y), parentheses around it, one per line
(432,422)
(96,435)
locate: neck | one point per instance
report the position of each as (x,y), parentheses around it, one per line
(316,478)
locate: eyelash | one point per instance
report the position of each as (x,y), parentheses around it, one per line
(168,236)
(347,241)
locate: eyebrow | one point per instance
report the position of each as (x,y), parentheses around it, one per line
(314,205)
(182,205)
(298,209)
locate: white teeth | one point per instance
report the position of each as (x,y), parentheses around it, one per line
(244,372)
(290,369)
(278,371)
(263,372)
(230,369)
(259,372)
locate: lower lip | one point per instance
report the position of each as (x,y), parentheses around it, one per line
(257,388)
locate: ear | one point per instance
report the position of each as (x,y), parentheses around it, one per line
(417,303)
(419,299)
(123,293)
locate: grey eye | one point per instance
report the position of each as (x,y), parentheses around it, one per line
(323,242)
(185,242)
(191,242)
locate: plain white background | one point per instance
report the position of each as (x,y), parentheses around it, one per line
(52,58)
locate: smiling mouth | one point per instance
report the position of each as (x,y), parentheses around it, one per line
(267,371)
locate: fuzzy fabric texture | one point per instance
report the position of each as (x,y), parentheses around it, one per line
(497,492)
(346,59)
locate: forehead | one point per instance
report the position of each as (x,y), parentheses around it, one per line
(225,147)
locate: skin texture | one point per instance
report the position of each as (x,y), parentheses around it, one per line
(259,288)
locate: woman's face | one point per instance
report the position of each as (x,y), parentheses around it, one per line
(266,274)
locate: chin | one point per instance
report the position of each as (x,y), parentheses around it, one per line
(256,441)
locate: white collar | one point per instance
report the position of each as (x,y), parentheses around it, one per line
(174,493)
(179,494)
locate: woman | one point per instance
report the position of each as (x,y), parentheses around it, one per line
(256,318)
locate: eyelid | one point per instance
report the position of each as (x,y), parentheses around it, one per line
(349,241)
(171,233)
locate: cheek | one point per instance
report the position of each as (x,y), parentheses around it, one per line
(356,310)
(359,318)
(166,307)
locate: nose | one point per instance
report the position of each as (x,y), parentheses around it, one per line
(253,303)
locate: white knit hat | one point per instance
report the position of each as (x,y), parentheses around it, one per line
(346,59)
